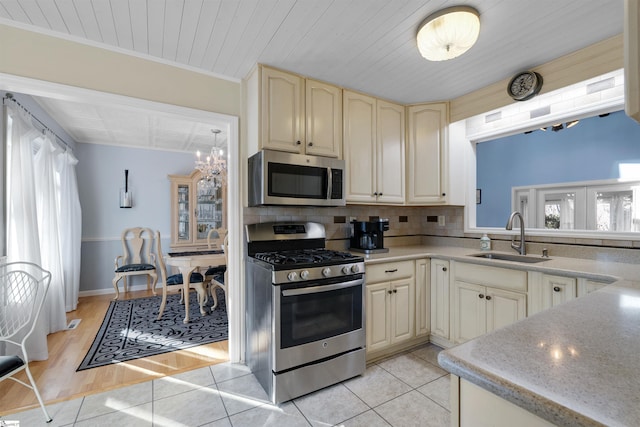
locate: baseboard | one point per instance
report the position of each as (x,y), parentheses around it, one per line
(107,291)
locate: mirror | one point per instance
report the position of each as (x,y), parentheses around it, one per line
(569,176)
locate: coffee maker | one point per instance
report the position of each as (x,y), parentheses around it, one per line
(368,236)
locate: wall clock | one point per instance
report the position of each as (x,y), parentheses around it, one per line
(524,85)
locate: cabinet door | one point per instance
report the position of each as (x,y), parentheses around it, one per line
(423,297)
(557,290)
(181,212)
(586,286)
(324,119)
(390,177)
(504,308)
(440,298)
(469,311)
(378,316)
(359,146)
(427,153)
(402,310)
(282,111)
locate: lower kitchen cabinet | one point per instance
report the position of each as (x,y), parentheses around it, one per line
(439,299)
(485,298)
(547,290)
(480,309)
(390,304)
(423,297)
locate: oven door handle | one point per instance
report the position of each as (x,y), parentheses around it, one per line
(321,288)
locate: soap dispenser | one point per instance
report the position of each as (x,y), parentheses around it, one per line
(485,243)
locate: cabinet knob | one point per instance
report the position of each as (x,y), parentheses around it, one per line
(488,297)
(556,289)
(375,194)
(379,194)
(298,143)
(480,295)
(310,144)
(395,291)
(389,292)
(444,268)
(444,194)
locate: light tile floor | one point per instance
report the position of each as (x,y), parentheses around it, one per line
(408,389)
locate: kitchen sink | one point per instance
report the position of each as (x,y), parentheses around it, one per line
(509,257)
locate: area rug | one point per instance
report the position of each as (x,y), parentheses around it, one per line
(130,329)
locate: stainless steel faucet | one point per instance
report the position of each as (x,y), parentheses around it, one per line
(521,246)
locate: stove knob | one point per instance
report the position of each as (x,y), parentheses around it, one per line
(304,274)
(326,272)
(345,270)
(293,276)
(355,268)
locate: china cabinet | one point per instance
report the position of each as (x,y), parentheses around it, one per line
(197,206)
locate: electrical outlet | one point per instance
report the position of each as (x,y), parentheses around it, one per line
(353,218)
(441,221)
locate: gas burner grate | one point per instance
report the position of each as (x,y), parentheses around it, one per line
(303,256)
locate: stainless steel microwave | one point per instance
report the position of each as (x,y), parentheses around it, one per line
(279,178)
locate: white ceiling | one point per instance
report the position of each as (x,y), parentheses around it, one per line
(367,45)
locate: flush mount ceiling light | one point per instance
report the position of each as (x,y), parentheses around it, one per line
(448,33)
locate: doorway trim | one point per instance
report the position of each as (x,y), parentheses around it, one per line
(235,295)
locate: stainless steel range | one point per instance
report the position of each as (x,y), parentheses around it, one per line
(305,310)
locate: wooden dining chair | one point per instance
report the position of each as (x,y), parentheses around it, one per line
(174,282)
(220,279)
(137,259)
(215,241)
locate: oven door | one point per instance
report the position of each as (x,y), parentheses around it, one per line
(318,320)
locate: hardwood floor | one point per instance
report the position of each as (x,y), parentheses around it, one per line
(58,380)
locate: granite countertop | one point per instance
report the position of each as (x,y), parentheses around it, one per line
(576,364)
(604,271)
(573,365)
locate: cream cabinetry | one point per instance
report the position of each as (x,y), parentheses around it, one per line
(427,158)
(390,304)
(586,286)
(473,406)
(197,206)
(548,290)
(439,299)
(374,149)
(287,112)
(423,297)
(485,298)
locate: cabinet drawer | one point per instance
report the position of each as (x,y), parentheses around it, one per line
(388,271)
(492,276)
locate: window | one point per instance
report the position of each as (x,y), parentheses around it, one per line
(597,205)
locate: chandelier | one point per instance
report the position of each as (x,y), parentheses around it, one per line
(214,167)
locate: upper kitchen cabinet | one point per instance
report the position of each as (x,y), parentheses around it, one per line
(287,112)
(373,150)
(197,206)
(427,158)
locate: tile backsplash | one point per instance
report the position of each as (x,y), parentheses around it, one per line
(403,220)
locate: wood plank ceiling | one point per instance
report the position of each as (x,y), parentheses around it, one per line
(366,45)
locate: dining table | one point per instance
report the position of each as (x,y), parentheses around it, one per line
(187,263)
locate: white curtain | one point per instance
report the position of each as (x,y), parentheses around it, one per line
(70,227)
(47,197)
(37,231)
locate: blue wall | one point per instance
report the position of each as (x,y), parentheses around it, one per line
(591,150)
(100,173)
